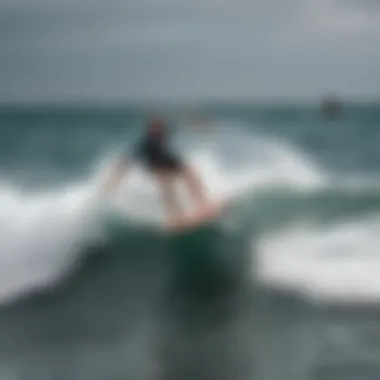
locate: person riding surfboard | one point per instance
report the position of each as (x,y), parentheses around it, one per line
(165,166)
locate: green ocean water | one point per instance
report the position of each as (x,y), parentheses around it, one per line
(285,286)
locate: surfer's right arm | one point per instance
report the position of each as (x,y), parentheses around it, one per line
(116,175)
(121,168)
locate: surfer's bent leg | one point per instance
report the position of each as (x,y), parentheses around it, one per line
(195,185)
(171,203)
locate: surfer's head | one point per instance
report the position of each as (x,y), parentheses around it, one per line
(156,128)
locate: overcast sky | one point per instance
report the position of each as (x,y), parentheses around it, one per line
(52,50)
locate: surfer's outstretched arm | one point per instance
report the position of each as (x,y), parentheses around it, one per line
(117,173)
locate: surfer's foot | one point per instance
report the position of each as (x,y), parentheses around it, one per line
(205,209)
(173,221)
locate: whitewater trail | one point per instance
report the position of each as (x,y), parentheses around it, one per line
(329,263)
(233,164)
(40,236)
(42,233)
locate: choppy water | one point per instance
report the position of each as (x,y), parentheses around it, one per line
(285,286)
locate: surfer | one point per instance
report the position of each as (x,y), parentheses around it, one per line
(165,166)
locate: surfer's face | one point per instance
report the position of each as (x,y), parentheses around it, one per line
(156,129)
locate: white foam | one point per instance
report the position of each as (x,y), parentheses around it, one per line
(39,236)
(331,263)
(41,232)
(230,163)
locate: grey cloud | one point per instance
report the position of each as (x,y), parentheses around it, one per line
(176,48)
(361,4)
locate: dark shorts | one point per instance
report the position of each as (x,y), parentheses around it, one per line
(167,162)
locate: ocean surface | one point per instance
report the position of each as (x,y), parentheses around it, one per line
(285,286)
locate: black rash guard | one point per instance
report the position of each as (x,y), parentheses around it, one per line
(155,154)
